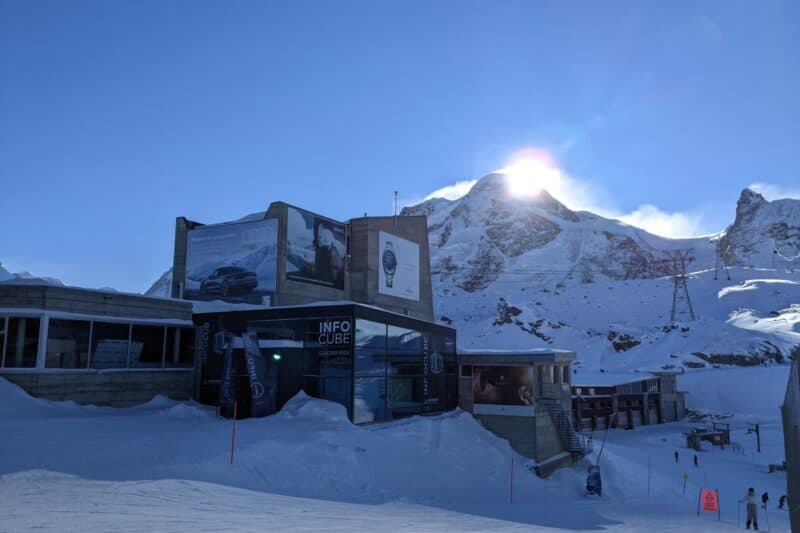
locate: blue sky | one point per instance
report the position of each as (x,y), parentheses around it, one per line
(115,117)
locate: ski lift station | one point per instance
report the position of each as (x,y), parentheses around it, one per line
(285,301)
(626,400)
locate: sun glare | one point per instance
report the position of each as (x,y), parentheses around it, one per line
(531,172)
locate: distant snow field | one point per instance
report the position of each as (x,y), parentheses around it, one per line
(165,466)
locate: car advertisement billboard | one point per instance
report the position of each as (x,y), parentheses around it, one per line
(502,385)
(398,267)
(316,249)
(233,262)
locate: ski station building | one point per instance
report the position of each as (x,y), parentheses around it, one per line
(281,302)
(648,398)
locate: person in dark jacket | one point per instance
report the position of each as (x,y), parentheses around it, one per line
(764,500)
(752,508)
(781,501)
(695,461)
(676,456)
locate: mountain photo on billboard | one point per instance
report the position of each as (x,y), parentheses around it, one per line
(234,262)
(316,249)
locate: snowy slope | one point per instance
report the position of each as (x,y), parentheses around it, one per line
(165,466)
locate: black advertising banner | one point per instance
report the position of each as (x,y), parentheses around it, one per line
(227,391)
(316,249)
(502,385)
(432,368)
(257,374)
(234,262)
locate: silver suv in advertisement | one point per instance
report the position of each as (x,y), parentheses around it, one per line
(229,280)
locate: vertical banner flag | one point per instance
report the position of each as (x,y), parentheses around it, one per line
(257,375)
(227,389)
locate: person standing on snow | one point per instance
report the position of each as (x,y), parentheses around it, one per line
(695,461)
(752,508)
(764,500)
(781,501)
(676,456)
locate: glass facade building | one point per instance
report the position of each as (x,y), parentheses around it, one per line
(379,365)
(79,344)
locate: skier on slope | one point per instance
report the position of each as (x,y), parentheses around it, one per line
(752,508)
(781,501)
(764,500)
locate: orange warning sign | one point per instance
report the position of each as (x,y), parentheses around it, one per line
(709,500)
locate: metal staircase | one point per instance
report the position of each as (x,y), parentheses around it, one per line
(577,444)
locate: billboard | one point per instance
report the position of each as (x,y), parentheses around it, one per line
(316,249)
(234,262)
(398,270)
(502,385)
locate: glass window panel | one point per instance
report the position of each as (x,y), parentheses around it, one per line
(180,348)
(22,342)
(2,337)
(186,352)
(110,345)
(369,400)
(452,391)
(404,369)
(147,346)
(67,344)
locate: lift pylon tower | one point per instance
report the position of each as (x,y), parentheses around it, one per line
(681,303)
(722,258)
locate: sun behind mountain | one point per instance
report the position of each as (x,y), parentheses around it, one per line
(531,172)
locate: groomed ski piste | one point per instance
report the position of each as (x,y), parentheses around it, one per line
(165,466)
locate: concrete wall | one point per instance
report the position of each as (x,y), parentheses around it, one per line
(548,441)
(519,431)
(366,261)
(117,389)
(91,302)
(179,256)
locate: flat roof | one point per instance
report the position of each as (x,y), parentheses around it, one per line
(251,311)
(605,379)
(514,357)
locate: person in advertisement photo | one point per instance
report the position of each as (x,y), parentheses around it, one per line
(316,249)
(328,255)
(502,385)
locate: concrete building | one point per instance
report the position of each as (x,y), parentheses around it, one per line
(365,260)
(524,397)
(98,347)
(790,412)
(636,399)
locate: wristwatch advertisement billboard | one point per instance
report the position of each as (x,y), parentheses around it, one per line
(398,269)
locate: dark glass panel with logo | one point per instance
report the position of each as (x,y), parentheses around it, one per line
(369,387)
(313,355)
(379,365)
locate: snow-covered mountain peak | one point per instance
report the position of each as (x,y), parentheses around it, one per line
(763,231)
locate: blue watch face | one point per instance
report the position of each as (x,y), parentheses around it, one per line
(389,261)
